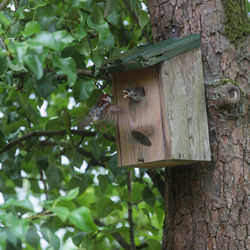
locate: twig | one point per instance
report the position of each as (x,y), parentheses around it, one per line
(117,236)
(130,211)
(92,158)
(3,4)
(62,132)
(136,19)
(85,72)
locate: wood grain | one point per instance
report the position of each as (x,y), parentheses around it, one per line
(138,116)
(184,107)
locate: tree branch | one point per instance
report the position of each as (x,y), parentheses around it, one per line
(3,4)
(89,73)
(130,211)
(136,19)
(116,235)
(61,132)
(92,158)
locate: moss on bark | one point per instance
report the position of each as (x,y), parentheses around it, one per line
(237,23)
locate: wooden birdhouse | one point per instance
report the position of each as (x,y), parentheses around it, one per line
(168,125)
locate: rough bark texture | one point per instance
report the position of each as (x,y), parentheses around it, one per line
(207,206)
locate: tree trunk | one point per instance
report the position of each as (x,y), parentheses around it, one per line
(207,205)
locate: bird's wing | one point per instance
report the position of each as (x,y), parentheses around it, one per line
(111,114)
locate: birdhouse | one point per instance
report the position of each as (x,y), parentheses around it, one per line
(167,126)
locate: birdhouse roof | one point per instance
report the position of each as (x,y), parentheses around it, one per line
(150,54)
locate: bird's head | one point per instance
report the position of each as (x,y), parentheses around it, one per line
(105,98)
(136,94)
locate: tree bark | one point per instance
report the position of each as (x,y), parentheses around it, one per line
(206,205)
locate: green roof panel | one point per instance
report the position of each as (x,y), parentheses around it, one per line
(150,54)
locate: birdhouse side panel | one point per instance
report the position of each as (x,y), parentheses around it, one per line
(184,108)
(139,116)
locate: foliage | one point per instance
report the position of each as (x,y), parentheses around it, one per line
(60,187)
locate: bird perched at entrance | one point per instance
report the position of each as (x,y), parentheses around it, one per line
(103,111)
(135,94)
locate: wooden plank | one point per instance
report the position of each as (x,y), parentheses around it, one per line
(139,115)
(164,163)
(183,106)
(151,54)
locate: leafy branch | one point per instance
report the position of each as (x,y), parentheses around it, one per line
(116,235)
(62,132)
(136,19)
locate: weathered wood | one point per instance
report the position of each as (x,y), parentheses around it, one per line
(174,107)
(136,116)
(183,107)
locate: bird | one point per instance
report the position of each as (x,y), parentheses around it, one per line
(103,111)
(135,94)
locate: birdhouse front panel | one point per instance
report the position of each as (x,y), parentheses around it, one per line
(143,117)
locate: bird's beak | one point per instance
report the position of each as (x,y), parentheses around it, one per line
(125,93)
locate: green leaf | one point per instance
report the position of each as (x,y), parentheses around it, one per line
(97,59)
(154,244)
(15,66)
(25,204)
(137,190)
(148,196)
(18,226)
(80,31)
(103,182)
(20,50)
(87,5)
(35,64)
(82,219)
(3,236)
(115,170)
(146,212)
(67,121)
(3,87)
(106,38)
(104,207)
(32,237)
(83,183)
(143,19)
(57,40)
(66,66)
(16,125)
(31,28)
(46,85)
(51,237)
(72,194)
(55,123)
(61,212)
(78,238)
(4,20)
(3,64)
(82,89)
